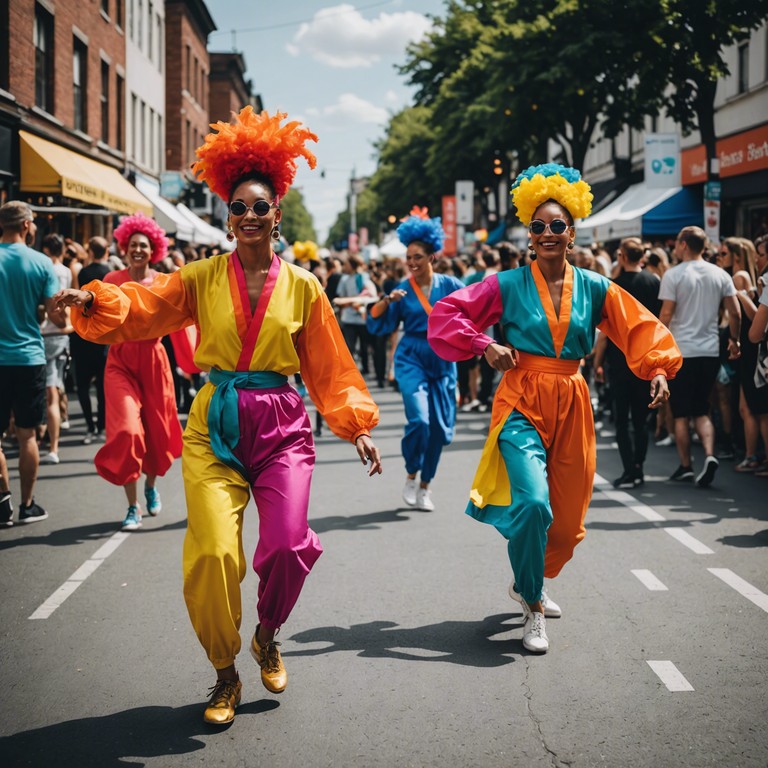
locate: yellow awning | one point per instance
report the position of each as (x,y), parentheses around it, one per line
(48,167)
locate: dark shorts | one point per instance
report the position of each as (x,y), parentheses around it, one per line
(689,391)
(22,392)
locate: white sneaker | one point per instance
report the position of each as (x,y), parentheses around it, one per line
(65,424)
(471,406)
(424,499)
(535,632)
(551,608)
(410,491)
(50,458)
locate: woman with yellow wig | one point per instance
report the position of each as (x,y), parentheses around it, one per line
(261,320)
(534,482)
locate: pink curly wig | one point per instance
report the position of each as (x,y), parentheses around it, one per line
(254,143)
(139,223)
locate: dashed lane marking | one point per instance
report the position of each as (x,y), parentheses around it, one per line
(670,675)
(630,502)
(79,576)
(649,581)
(744,588)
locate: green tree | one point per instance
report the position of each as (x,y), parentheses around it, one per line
(296,223)
(693,35)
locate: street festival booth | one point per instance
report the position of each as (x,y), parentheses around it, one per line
(643,211)
(204,233)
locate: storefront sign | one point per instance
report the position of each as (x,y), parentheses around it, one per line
(743,153)
(449,225)
(712,210)
(662,160)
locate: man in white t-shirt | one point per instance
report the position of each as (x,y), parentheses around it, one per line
(691,293)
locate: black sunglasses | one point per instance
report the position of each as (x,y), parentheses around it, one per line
(260,208)
(556,226)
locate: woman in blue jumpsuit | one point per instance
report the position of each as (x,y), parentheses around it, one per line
(427,382)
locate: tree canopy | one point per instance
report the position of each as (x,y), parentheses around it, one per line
(296,223)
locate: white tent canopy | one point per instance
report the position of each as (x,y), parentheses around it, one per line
(204,233)
(392,248)
(165,212)
(624,216)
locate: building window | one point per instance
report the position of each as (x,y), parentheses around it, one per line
(119,20)
(120,113)
(151,132)
(105,7)
(43,38)
(160,144)
(159,42)
(80,84)
(188,140)
(743,71)
(130,18)
(105,102)
(143,132)
(188,68)
(4,45)
(140,24)
(150,46)
(134,118)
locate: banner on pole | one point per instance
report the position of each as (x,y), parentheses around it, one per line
(662,160)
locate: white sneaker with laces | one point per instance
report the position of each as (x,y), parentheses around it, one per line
(424,499)
(535,632)
(471,406)
(50,458)
(551,608)
(410,491)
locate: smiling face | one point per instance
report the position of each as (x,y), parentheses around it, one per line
(249,228)
(419,262)
(548,244)
(139,252)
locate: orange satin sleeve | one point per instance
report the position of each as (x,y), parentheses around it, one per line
(133,312)
(333,380)
(646,342)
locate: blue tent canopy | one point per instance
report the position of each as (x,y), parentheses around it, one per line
(684,209)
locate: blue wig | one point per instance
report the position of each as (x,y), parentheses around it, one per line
(418,226)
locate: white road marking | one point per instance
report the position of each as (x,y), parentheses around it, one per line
(744,588)
(625,499)
(79,576)
(630,502)
(649,581)
(689,541)
(670,675)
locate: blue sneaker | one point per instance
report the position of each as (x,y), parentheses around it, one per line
(132,520)
(154,505)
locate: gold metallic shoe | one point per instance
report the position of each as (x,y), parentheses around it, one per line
(225,696)
(273,674)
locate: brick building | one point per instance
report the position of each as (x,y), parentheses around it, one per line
(188,24)
(62,113)
(230,91)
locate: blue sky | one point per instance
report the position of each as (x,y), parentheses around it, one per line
(332,66)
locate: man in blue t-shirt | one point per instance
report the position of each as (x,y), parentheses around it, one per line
(27,280)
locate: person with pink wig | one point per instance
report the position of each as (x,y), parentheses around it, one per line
(143,433)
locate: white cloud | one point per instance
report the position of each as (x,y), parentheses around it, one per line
(350,108)
(340,37)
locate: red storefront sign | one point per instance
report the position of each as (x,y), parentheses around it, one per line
(743,153)
(449,224)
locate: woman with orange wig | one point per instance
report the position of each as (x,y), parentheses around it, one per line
(261,320)
(143,434)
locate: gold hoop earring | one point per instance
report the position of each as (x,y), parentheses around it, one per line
(570,245)
(275,233)
(230,234)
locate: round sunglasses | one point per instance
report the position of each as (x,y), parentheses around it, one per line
(260,208)
(556,226)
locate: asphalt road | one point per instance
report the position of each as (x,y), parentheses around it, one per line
(404,649)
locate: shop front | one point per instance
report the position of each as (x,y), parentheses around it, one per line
(743,161)
(73,195)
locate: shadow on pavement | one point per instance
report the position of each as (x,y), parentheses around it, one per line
(468,643)
(372,521)
(118,739)
(759,539)
(61,537)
